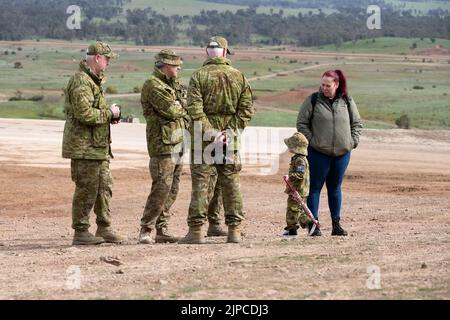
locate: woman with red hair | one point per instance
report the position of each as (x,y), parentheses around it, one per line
(330,121)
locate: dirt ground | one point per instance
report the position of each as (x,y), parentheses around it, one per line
(396,208)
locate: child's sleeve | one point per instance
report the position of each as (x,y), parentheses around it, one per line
(297,170)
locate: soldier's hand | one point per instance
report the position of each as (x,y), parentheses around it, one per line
(115,109)
(221,137)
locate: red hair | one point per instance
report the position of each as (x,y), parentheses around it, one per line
(338,77)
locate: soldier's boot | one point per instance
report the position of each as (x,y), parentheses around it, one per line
(163,236)
(234,234)
(194,236)
(313,230)
(108,234)
(145,235)
(337,229)
(84,237)
(215,230)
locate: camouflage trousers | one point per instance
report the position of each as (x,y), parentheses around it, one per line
(165,175)
(93,188)
(295,215)
(215,200)
(227,179)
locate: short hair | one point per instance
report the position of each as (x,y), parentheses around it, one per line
(159,64)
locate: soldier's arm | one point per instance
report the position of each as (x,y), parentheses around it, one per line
(147,109)
(195,103)
(245,108)
(297,170)
(303,119)
(356,123)
(82,99)
(166,104)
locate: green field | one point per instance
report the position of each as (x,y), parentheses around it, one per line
(194,7)
(383,90)
(386,45)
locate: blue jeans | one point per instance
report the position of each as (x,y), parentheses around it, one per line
(329,170)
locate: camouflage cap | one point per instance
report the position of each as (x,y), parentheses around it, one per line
(101,48)
(219,42)
(168,56)
(297,143)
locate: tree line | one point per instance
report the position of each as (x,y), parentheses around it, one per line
(22,19)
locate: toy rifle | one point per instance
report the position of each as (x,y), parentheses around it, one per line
(296,196)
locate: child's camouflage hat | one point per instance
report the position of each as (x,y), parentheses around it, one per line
(297,143)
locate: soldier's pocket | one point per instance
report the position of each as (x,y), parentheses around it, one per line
(171,132)
(100,136)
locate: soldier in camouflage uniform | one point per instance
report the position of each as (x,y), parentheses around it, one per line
(299,177)
(87,142)
(220,103)
(163,102)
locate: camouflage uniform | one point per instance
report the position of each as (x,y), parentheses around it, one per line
(86,142)
(163,102)
(220,98)
(215,200)
(299,177)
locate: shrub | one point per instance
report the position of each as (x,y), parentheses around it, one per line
(111,90)
(137,89)
(403,122)
(418,87)
(18,65)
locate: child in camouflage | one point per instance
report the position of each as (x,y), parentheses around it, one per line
(299,178)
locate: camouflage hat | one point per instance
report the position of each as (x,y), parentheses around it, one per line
(219,42)
(297,143)
(168,56)
(101,48)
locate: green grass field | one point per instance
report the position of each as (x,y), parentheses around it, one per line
(383,90)
(386,45)
(193,7)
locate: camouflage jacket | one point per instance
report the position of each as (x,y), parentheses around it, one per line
(163,103)
(299,174)
(220,97)
(86,131)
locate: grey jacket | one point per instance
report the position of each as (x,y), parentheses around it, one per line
(334,129)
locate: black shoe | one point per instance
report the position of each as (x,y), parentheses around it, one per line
(316,232)
(290,232)
(337,229)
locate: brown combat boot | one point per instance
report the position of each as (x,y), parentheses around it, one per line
(215,230)
(109,235)
(234,234)
(145,236)
(84,237)
(194,236)
(163,236)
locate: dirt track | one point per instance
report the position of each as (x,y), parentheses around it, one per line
(396,209)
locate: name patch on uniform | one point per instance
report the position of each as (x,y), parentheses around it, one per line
(301,169)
